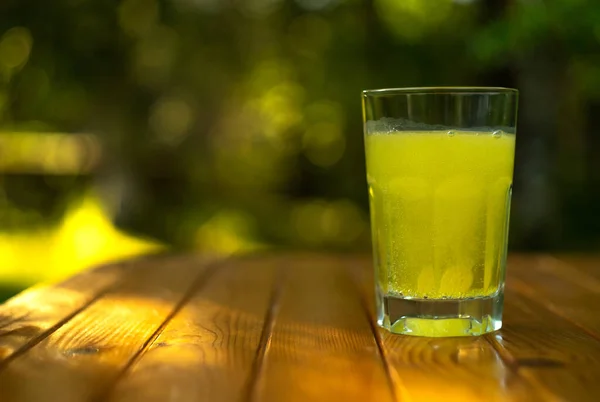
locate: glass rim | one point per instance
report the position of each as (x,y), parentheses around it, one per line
(440,91)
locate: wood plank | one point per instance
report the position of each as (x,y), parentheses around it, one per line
(548,349)
(321,347)
(565,291)
(453,369)
(28,317)
(588,265)
(445,369)
(206,352)
(144,330)
(85,355)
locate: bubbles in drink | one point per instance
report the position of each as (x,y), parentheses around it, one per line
(426,282)
(457,279)
(439,211)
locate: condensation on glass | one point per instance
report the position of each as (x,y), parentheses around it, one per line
(440,168)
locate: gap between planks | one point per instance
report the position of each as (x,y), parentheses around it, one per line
(352,274)
(50,330)
(37,339)
(199,282)
(266,334)
(513,365)
(583,280)
(400,391)
(529,293)
(321,346)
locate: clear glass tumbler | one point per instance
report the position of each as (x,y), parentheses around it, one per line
(440,168)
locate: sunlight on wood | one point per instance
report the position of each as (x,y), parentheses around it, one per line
(285,328)
(129,319)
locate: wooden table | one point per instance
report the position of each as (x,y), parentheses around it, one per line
(290,328)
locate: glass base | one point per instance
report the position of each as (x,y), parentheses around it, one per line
(441,317)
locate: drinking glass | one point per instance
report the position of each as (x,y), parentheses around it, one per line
(440,169)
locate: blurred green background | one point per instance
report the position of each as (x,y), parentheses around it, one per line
(235,125)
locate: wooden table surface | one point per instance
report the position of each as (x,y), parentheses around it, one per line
(290,328)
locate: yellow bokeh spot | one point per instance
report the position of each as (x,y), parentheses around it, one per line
(15,47)
(269,73)
(306,219)
(279,108)
(412,19)
(85,238)
(138,17)
(325,111)
(318,222)
(171,118)
(227,232)
(324,144)
(154,56)
(50,153)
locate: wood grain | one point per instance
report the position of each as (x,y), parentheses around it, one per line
(321,347)
(87,353)
(445,369)
(561,289)
(290,328)
(30,316)
(454,369)
(588,265)
(549,350)
(207,350)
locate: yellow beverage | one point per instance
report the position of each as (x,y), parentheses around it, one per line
(439,209)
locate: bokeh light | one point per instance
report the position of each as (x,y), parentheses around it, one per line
(412,19)
(320,223)
(15,46)
(154,56)
(232,126)
(138,17)
(171,119)
(86,237)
